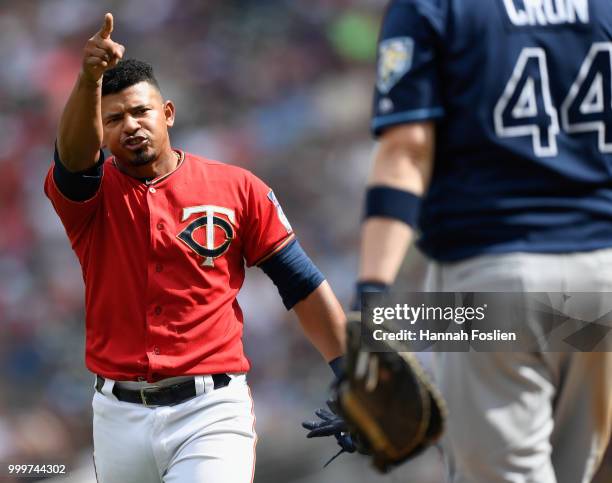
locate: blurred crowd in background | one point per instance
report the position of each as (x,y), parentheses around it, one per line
(281,87)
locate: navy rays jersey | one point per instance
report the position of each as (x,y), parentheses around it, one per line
(521,92)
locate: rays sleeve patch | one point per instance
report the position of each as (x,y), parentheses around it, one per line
(394,60)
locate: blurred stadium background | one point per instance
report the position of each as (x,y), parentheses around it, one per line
(281,87)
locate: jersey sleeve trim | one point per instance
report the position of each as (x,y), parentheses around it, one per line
(381,122)
(282,244)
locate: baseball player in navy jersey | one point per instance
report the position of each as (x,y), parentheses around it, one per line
(494,122)
(162,237)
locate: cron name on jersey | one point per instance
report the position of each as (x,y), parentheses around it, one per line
(524,13)
(210,234)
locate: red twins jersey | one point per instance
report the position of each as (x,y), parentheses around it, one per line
(163,263)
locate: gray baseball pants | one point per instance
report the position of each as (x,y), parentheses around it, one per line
(526,417)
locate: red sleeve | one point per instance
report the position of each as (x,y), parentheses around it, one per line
(267,228)
(75,215)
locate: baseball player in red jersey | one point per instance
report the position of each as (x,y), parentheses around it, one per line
(162,236)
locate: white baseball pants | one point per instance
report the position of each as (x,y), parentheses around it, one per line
(207,439)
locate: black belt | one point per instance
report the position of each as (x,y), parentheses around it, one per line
(162,396)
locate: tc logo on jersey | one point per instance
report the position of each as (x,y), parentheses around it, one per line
(217,233)
(281,215)
(394,60)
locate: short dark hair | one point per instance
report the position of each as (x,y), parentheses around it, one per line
(127,73)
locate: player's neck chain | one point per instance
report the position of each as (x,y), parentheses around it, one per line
(179,160)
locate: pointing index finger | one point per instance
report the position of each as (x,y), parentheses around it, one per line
(107,27)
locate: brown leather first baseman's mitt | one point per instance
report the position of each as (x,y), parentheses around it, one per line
(388,401)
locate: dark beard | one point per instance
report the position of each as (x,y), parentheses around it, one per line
(141,158)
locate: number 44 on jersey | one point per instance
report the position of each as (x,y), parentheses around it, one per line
(526,107)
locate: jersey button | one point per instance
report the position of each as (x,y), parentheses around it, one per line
(159,267)
(160,226)
(158,310)
(152,190)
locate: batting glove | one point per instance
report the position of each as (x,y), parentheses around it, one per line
(331,424)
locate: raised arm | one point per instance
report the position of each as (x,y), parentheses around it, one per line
(80,134)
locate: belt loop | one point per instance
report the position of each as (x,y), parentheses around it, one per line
(209,384)
(238,377)
(107,388)
(200,385)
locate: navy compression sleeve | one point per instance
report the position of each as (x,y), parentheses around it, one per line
(293,273)
(79,186)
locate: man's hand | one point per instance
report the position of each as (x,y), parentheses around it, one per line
(101,52)
(331,424)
